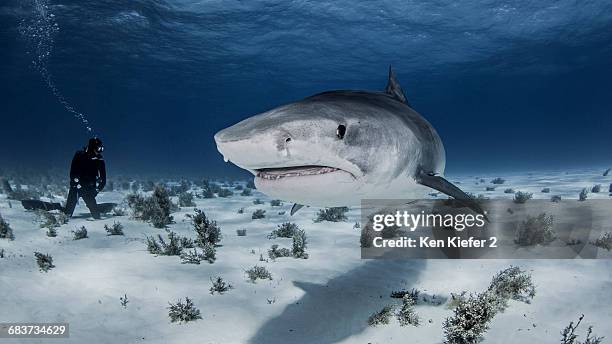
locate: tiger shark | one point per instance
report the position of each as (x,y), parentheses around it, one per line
(338,147)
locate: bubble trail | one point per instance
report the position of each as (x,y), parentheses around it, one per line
(39,32)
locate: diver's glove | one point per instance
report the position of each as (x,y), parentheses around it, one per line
(99,187)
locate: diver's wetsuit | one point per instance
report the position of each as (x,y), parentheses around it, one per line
(87,178)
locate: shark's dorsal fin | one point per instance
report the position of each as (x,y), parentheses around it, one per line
(394,89)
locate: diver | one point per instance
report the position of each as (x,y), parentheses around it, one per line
(87,177)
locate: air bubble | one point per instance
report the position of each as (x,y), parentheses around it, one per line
(39,31)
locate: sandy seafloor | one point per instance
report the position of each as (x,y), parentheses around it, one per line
(324,299)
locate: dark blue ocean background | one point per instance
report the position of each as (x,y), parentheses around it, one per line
(509,85)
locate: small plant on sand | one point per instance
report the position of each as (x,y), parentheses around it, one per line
(555,199)
(241,232)
(522,197)
(546,190)
(124,300)
(276,203)
(258,214)
(258,272)
(490,188)
(6,232)
(569,336)
(195,257)
(605,241)
(275,252)
(456,299)
(381,317)
(470,319)
(155,209)
(119,211)
(172,247)
(367,236)
(513,284)
(62,218)
(187,242)
(207,230)
(582,196)
(44,261)
(225,193)
(535,230)
(51,232)
(473,313)
(284,230)
(246,192)
(207,193)
(210,252)
(406,315)
(337,214)
(5,186)
(153,246)
(183,311)
(185,199)
(596,188)
(498,181)
(509,191)
(299,244)
(219,286)
(115,229)
(412,293)
(257,201)
(479,197)
(47,220)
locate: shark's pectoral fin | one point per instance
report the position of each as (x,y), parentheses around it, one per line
(446,187)
(295,208)
(394,89)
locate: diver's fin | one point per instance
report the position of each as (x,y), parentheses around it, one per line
(438,183)
(394,89)
(32,204)
(295,208)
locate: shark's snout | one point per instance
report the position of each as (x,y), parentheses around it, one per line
(273,153)
(253,150)
(230,134)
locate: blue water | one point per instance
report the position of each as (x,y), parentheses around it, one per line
(509,85)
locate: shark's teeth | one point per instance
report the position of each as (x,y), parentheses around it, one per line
(298,171)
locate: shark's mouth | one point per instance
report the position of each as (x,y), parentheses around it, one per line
(295,171)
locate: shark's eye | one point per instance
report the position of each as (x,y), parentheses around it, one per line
(341,131)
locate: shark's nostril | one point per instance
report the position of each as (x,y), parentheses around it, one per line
(288,140)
